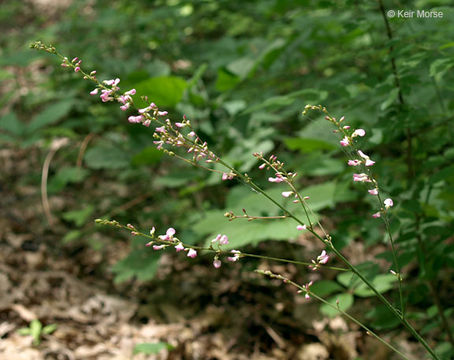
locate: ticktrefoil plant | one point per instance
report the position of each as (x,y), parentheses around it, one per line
(180,139)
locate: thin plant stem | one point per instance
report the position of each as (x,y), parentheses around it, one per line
(342,312)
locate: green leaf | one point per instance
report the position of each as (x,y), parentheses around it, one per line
(341,301)
(24,331)
(35,330)
(151,348)
(65,176)
(11,124)
(148,156)
(392,97)
(106,157)
(382,318)
(382,283)
(226,80)
(49,329)
(307,145)
(71,236)
(50,115)
(165,91)
(140,263)
(79,217)
(323,288)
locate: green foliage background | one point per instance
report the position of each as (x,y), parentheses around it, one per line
(242,71)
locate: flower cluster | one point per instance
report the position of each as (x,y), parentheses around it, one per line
(322,259)
(362,159)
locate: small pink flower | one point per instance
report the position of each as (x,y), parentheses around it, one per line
(77,69)
(179,125)
(130,92)
(346,127)
(75,59)
(376,215)
(105,95)
(191,134)
(125,107)
(225,176)
(275,180)
(112,82)
(286,194)
(359,132)
(361,178)
(388,203)
(235,257)
(147,123)
(323,258)
(94,92)
(162,113)
(152,231)
(161,129)
(345,141)
(262,166)
(301,227)
(354,162)
(135,119)
(217,263)
(192,253)
(373,191)
(169,234)
(218,237)
(158,247)
(179,247)
(224,240)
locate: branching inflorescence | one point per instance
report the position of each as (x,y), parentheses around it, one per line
(172,137)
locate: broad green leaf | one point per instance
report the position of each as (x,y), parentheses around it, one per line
(151,348)
(106,157)
(79,217)
(307,145)
(325,287)
(339,301)
(226,80)
(50,115)
(148,156)
(65,176)
(11,124)
(165,91)
(140,263)
(35,328)
(382,283)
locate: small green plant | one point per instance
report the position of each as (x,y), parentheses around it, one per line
(36,331)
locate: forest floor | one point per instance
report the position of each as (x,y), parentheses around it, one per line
(203,314)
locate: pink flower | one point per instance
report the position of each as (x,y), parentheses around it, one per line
(218,237)
(373,191)
(361,177)
(275,180)
(354,162)
(323,258)
(191,134)
(179,247)
(135,119)
(94,92)
(224,240)
(158,247)
(179,125)
(162,113)
(217,263)
(192,253)
(376,215)
(130,92)
(77,69)
(161,129)
(112,82)
(358,132)
(286,194)
(147,123)
(235,257)
(169,234)
(345,141)
(105,95)
(368,161)
(301,227)
(225,176)
(346,127)
(125,107)
(262,166)
(388,203)
(152,231)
